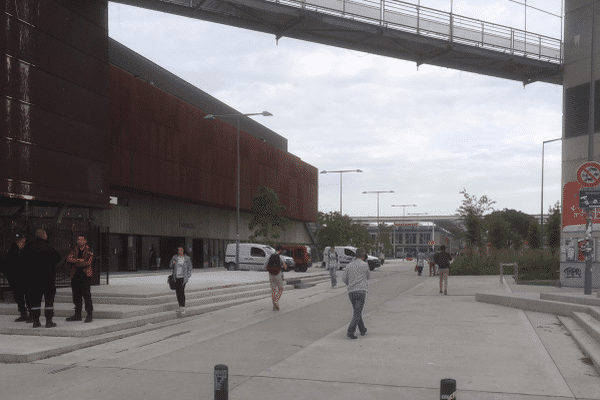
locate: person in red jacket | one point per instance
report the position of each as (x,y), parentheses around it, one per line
(80,260)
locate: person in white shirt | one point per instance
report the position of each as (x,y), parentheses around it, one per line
(356,276)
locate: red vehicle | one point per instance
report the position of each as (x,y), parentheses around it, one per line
(300,255)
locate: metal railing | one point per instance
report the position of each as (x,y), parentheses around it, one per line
(515,276)
(426,21)
(414,18)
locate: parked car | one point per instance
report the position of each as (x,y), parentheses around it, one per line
(300,255)
(348,253)
(253,257)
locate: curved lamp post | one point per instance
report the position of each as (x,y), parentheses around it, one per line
(341,172)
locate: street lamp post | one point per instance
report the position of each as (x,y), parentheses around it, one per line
(237,204)
(378,192)
(542,206)
(341,172)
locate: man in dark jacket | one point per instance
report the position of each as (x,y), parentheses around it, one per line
(41,263)
(443,260)
(81,259)
(14,271)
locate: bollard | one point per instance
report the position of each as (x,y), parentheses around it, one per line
(448,389)
(221,382)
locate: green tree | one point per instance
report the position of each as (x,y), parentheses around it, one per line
(471,205)
(385,238)
(339,230)
(267,221)
(533,235)
(472,234)
(553,228)
(498,232)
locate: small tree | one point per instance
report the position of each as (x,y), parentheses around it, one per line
(553,228)
(533,235)
(266,220)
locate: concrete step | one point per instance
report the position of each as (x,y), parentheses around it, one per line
(589,323)
(532,302)
(105,326)
(588,345)
(589,300)
(122,311)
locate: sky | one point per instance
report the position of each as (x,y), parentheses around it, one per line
(425,133)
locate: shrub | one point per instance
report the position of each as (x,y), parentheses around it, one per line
(533,264)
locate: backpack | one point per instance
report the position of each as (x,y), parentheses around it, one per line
(274,264)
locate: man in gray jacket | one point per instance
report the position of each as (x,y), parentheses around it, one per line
(355,276)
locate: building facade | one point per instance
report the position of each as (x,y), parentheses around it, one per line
(100,140)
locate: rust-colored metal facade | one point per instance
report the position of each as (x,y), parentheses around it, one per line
(161,145)
(54,88)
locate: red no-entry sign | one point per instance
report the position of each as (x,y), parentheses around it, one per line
(588,174)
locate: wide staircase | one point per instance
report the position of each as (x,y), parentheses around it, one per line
(126,310)
(579,314)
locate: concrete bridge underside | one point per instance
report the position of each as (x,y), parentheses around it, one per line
(370,35)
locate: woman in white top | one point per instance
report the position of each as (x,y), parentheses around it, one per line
(182,271)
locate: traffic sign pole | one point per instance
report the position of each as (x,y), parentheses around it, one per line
(588,176)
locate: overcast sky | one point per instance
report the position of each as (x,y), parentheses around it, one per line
(424,133)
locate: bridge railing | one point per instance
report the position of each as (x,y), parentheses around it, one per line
(426,21)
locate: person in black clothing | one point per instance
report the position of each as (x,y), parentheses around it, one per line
(443,259)
(41,259)
(14,271)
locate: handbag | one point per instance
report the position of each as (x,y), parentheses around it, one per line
(171,282)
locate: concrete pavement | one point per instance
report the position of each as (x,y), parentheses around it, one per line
(415,339)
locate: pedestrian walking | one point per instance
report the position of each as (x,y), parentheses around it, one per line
(431,263)
(80,260)
(15,272)
(332,264)
(420,262)
(41,265)
(356,276)
(182,271)
(275,266)
(443,259)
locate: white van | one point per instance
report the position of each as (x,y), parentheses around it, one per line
(346,254)
(253,257)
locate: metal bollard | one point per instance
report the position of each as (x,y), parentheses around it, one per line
(221,382)
(448,389)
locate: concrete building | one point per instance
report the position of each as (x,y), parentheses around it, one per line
(97,139)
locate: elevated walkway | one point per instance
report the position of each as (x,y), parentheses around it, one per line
(389,28)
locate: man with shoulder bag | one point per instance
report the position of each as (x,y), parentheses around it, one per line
(275,266)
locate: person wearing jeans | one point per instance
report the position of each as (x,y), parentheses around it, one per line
(443,259)
(332,264)
(356,276)
(182,271)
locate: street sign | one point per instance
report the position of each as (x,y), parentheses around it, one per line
(431,242)
(588,174)
(589,199)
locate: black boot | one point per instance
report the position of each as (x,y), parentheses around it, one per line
(35,315)
(49,314)
(23,317)
(76,317)
(88,318)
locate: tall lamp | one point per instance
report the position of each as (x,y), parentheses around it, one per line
(237,205)
(341,172)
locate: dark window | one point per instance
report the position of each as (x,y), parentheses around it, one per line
(256,252)
(577,110)
(349,253)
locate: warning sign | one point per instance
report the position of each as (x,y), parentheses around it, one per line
(588,174)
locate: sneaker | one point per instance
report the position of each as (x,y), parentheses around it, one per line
(37,323)
(50,324)
(181,311)
(275,307)
(352,336)
(363,333)
(440,290)
(446,293)
(89,318)
(22,318)
(76,317)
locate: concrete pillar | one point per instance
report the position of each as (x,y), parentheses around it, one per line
(580,22)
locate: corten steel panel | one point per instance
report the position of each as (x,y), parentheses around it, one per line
(68,26)
(32,124)
(176,152)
